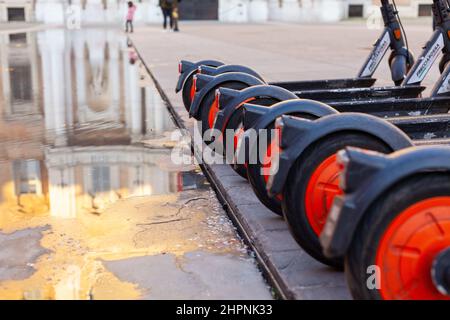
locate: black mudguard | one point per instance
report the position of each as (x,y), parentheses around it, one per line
(230,100)
(400,61)
(258,118)
(207,83)
(212,71)
(379,173)
(444,61)
(312,131)
(398,69)
(187,68)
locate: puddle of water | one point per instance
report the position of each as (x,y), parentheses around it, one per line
(84,150)
(81,124)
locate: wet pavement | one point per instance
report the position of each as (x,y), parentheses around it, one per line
(91,205)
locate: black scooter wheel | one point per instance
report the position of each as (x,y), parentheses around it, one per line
(256,172)
(312,185)
(258,180)
(398,240)
(239,168)
(209,106)
(235,125)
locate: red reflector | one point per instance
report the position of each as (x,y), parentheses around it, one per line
(214,110)
(180,67)
(194,87)
(397,34)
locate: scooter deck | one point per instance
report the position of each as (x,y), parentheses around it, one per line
(361,93)
(432,142)
(396,107)
(326,84)
(426,128)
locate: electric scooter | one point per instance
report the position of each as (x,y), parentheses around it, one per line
(393,221)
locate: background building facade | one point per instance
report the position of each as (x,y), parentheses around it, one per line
(113,11)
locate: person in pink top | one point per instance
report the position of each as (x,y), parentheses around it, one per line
(130,16)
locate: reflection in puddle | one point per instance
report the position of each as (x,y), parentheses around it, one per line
(74,118)
(81,125)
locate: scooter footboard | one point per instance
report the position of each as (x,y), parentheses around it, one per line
(396,107)
(430,127)
(361,93)
(326,84)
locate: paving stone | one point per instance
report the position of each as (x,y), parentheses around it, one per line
(223,170)
(276,240)
(258,213)
(304,269)
(325,293)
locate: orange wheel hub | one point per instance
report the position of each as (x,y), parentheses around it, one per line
(322,187)
(408,247)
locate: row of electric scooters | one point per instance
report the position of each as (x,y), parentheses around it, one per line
(360,173)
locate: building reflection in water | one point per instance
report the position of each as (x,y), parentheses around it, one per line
(74,113)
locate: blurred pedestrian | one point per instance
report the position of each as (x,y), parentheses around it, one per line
(175,15)
(132,55)
(130,16)
(167,7)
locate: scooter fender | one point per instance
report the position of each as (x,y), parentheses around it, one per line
(268,115)
(298,134)
(207,83)
(382,172)
(231,100)
(398,69)
(400,62)
(258,118)
(443,63)
(211,71)
(187,68)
